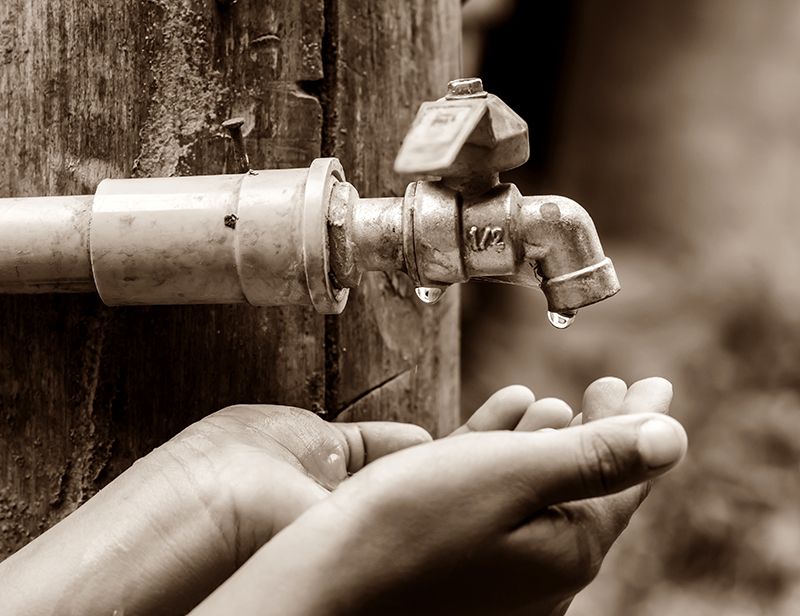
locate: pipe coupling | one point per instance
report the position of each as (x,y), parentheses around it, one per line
(260,238)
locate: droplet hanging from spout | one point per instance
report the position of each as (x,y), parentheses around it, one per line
(429,295)
(561,320)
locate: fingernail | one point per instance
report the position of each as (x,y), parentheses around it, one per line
(659,443)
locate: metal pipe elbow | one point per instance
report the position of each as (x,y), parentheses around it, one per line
(560,236)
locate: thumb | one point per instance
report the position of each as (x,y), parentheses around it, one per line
(604,457)
(369,440)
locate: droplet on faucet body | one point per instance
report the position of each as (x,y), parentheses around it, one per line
(561,320)
(429,295)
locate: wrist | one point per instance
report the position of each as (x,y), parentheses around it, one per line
(305,570)
(143,540)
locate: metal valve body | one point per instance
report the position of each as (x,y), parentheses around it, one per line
(305,236)
(440,237)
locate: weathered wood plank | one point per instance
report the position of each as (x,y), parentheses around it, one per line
(389,356)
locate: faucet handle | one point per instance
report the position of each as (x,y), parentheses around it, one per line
(469,134)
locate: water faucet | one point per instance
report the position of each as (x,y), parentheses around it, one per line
(467,224)
(305,236)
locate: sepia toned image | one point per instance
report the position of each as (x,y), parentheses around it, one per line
(327,307)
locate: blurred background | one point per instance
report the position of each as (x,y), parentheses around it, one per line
(676,123)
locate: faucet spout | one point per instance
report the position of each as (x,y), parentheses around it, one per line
(560,237)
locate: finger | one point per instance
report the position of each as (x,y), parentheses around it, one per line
(502,411)
(600,458)
(545,413)
(577,420)
(603,398)
(653,395)
(369,440)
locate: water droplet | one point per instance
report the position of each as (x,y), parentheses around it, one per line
(430,295)
(561,320)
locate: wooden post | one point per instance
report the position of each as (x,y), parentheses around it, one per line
(92,89)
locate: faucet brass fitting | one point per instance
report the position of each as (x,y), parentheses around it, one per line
(304,236)
(439,238)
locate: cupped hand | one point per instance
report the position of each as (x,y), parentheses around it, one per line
(484,522)
(260,466)
(170,529)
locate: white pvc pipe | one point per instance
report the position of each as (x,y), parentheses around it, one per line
(44,245)
(259,237)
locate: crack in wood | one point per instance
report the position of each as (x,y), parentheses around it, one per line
(388,381)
